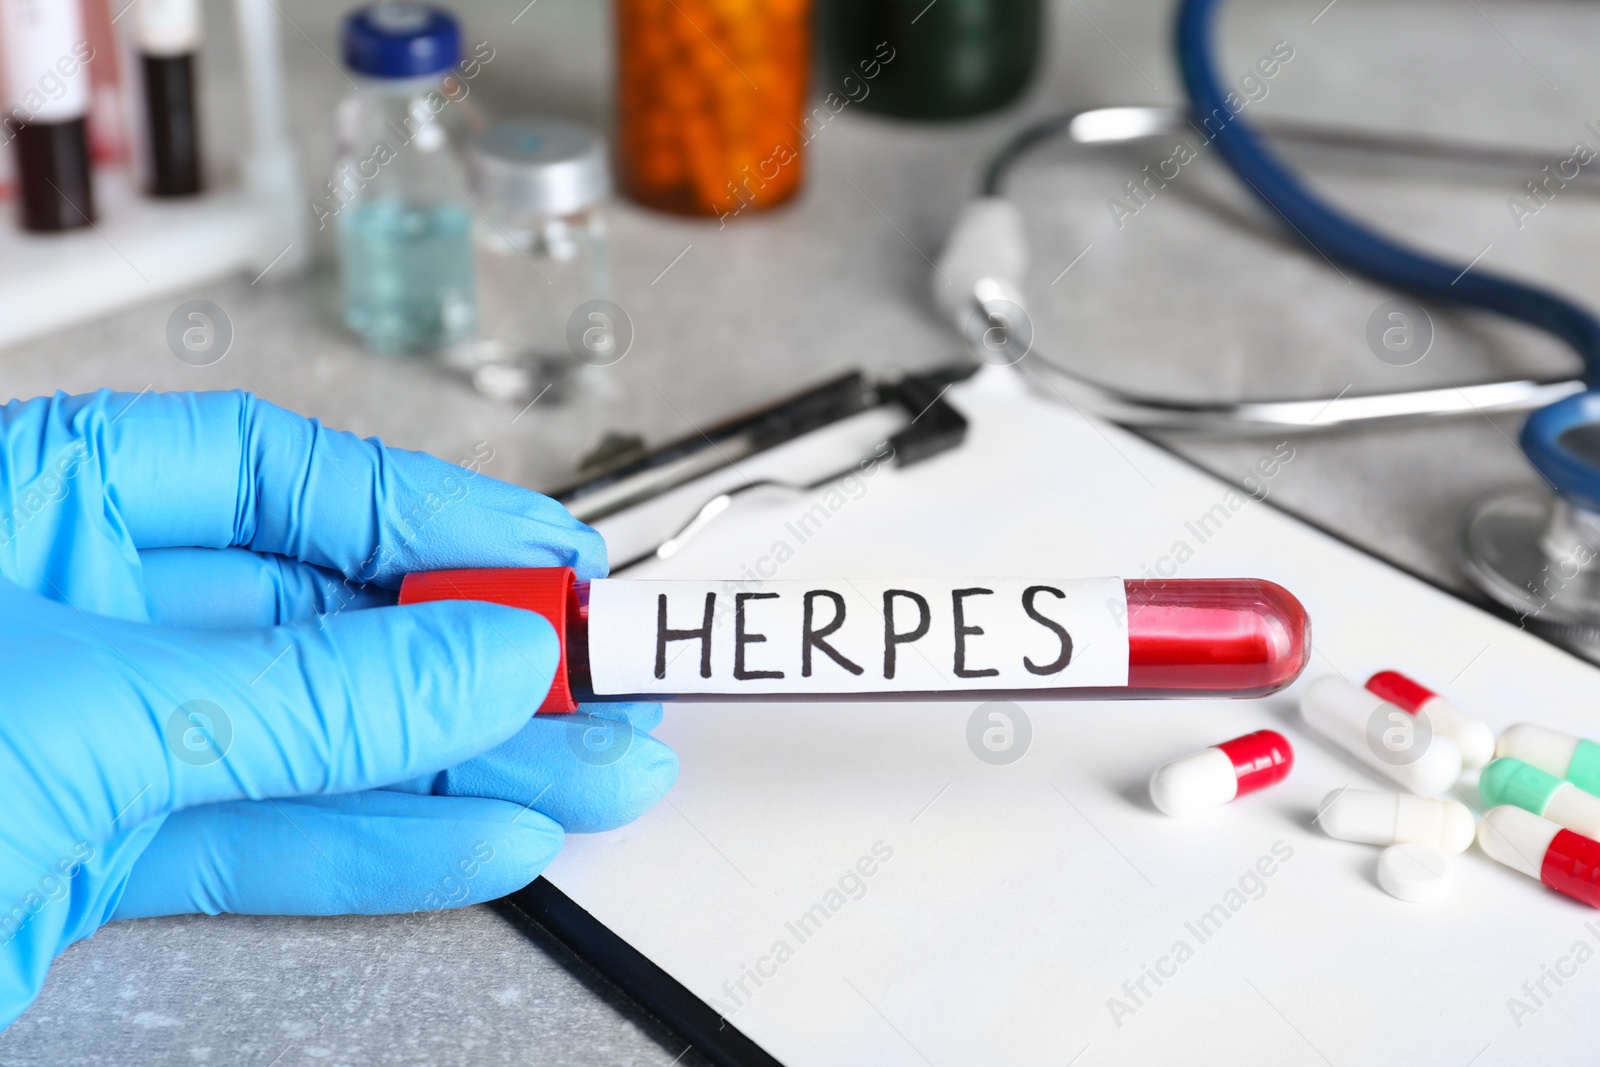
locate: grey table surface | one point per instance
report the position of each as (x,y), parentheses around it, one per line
(1197,294)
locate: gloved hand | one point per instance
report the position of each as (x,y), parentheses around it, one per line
(205,686)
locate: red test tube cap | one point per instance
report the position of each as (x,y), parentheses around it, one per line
(546,591)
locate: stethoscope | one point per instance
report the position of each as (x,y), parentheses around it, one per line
(1530,551)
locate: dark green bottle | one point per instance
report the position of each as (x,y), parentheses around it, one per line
(951,58)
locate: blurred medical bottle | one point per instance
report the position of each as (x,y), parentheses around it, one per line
(397,194)
(46,103)
(168,37)
(710,97)
(542,253)
(952,58)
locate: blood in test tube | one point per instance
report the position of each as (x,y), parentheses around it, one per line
(1222,773)
(168,34)
(108,132)
(1239,637)
(47,94)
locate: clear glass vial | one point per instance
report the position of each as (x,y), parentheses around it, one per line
(397,195)
(542,254)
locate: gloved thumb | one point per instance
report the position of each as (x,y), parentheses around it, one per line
(356,700)
(170,718)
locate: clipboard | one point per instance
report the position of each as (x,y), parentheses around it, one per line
(1111,883)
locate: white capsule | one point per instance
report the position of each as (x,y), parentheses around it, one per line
(1415,873)
(1474,738)
(1363,723)
(1377,818)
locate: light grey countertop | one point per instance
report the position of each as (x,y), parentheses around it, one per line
(1198,294)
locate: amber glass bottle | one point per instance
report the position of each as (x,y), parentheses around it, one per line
(710,96)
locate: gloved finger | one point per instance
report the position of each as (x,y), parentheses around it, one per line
(125,720)
(642,717)
(236,589)
(64,902)
(365,697)
(367,853)
(218,469)
(587,772)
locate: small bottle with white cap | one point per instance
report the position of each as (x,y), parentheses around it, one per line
(543,264)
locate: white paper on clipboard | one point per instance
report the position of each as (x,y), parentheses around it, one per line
(854,884)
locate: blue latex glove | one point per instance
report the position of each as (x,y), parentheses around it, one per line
(202,701)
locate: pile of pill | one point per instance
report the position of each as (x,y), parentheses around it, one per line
(1541,788)
(712,102)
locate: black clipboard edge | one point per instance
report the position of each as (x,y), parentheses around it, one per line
(541,907)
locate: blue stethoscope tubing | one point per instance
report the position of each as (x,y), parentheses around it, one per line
(1345,241)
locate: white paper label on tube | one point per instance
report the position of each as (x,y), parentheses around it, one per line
(858,635)
(46,60)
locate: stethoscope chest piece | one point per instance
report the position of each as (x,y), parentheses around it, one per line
(1536,551)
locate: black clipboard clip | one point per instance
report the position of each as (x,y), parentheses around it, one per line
(619,473)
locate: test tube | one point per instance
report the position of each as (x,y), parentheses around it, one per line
(46,111)
(1201,638)
(168,36)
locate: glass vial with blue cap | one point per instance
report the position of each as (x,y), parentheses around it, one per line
(542,257)
(397,196)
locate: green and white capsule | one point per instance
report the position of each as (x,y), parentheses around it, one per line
(1511,781)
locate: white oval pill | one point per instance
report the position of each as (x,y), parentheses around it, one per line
(1414,873)
(1377,818)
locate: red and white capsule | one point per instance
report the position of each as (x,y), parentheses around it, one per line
(1475,739)
(1566,862)
(1221,773)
